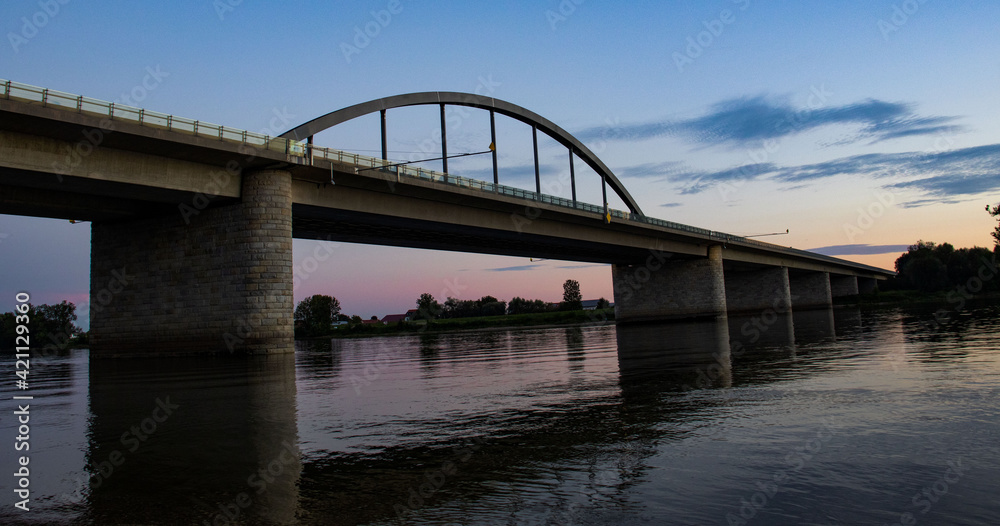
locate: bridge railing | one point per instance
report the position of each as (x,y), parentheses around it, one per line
(114,111)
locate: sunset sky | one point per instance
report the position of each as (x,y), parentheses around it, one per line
(861,127)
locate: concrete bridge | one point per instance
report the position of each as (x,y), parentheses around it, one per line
(192,223)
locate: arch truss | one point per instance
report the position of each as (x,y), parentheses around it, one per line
(442,98)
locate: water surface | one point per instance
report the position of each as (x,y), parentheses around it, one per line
(821,418)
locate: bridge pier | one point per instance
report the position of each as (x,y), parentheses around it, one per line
(810,290)
(670,289)
(215,280)
(758,290)
(841,286)
(867,285)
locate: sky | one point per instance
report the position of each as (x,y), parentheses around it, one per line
(861,127)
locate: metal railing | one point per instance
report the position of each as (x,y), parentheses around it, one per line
(86,105)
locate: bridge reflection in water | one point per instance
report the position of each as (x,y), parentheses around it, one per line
(182,440)
(230,449)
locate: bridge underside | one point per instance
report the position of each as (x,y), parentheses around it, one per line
(359,227)
(191,236)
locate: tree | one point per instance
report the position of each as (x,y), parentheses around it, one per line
(995,212)
(317,313)
(428,308)
(924,267)
(47,325)
(519,305)
(572,299)
(602,304)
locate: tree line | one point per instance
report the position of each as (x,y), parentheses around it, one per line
(930,267)
(315,315)
(48,325)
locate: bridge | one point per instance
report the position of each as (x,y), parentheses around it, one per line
(192,222)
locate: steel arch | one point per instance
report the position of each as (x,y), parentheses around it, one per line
(472,100)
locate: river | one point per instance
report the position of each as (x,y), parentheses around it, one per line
(829,417)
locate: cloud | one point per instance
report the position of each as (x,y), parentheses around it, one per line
(751,120)
(859,250)
(581,266)
(670,205)
(516,268)
(940,176)
(513,175)
(653,170)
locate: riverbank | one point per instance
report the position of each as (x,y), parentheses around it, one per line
(895,298)
(540,319)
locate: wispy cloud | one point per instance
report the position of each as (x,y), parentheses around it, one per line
(939,176)
(859,250)
(670,205)
(581,266)
(750,120)
(515,268)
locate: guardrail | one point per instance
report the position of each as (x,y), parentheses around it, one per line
(80,104)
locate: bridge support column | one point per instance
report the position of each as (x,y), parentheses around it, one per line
(218,279)
(867,285)
(667,289)
(758,290)
(810,290)
(841,286)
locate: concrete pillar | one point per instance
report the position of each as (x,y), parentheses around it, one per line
(810,290)
(841,286)
(755,291)
(218,279)
(867,285)
(670,289)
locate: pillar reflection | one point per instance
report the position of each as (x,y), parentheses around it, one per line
(812,326)
(194,439)
(677,355)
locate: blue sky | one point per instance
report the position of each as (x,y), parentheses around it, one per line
(859,126)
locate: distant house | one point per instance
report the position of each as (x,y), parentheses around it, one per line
(592,304)
(369,322)
(394,318)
